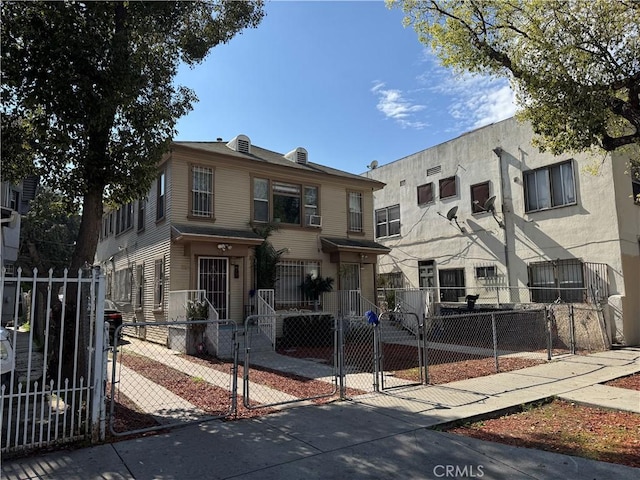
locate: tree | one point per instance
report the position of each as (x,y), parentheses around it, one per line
(574,65)
(266,257)
(89,102)
(48,233)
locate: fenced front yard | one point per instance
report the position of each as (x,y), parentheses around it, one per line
(73,386)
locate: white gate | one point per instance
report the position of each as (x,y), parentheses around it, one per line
(53,391)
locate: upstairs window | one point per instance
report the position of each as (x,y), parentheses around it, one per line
(260,200)
(549,187)
(201,192)
(160,196)
(448,187)
(124,218)
(142,208)
(479,196)
(425,194)
(283,202)
(310,204)
(355,212)
(286,203)
(388,221)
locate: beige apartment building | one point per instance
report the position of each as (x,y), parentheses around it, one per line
(198,228)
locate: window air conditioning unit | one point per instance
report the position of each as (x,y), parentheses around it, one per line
(315,221)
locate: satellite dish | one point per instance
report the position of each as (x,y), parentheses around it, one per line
(451,214)
(373,165)
(489,205)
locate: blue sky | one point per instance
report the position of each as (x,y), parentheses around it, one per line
(345,80)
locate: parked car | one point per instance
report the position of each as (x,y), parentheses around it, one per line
(6,356)
(113,316)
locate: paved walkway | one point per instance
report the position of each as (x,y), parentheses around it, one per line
(376,437)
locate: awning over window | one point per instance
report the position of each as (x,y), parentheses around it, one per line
(352,245)
(195,233)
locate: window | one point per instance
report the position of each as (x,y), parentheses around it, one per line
(291,274)
(388,221)
(201,192)
(425,193)
(486,271)
(391,280)
(479,196)
(106,228)
(122,287)
(14,200)
(551,280)
(549,187)
(139,301)
(284,202)
(124,218)
(448,187)
(260,200)
(355,212)
(142,208)
(161,196)
(158,283)
(426,274)
(310,203)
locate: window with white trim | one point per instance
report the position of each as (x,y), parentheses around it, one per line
(284,202)
(549,187)
(161,195)
(355,212)
(124,218)
(201,191)
(388,221)
(158,283)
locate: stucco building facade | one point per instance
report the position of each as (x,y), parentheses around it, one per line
(489,214)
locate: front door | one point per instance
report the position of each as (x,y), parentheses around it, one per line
(351,284)
(213,278)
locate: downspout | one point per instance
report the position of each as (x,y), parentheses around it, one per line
(498,151)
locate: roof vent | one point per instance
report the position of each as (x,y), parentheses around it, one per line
(240,143)
(299,155)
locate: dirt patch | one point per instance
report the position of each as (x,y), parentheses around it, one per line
(567,428)
(631,382)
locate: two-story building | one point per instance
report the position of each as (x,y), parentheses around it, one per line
(489,214)
(199,225)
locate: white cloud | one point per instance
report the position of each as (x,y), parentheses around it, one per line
(472,100)
(393,104)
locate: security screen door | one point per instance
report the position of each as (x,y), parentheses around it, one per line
(213,278)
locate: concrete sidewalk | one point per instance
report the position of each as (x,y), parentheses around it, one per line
(375,437)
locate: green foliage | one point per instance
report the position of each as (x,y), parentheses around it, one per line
(197,310)
(93,108)
(48,232)
(266,257)
(574,65)
(313,286)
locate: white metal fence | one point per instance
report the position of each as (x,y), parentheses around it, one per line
(54,392)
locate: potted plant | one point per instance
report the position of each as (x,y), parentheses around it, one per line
(198,310)
(314,286)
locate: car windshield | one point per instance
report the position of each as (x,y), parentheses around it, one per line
(110,305)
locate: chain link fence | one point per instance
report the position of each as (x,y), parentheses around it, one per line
(297,356)
(154,387)
(299,366)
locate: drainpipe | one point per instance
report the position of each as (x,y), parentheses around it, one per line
(498,151)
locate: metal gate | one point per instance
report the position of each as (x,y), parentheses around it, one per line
(195,379)
(303,365)
(51,393)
